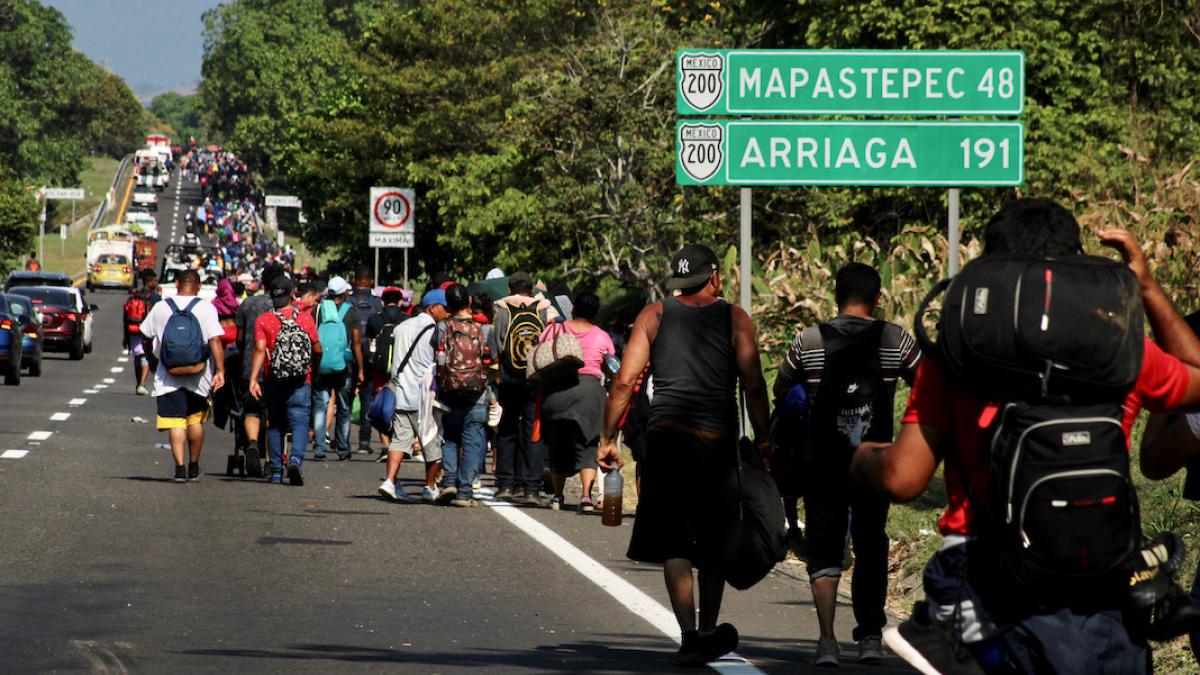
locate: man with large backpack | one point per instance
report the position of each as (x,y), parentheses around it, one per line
(137,308)
(286,350)
(341,367)
(463,362)
(380,332)
(191,364)
(849,367)
(520,319)
(367,304)
(1029,394)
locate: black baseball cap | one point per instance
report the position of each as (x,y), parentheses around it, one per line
(691,266)
(281,291)
(457,297)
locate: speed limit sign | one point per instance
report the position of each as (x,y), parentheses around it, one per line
(392,217)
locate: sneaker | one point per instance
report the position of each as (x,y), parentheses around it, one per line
(382,456)
(295,477)
(193,471)
(504,494)
(253,464)
(556,504)
(463,503)
(446,495)
(276,478)
(180,473)
(476,485)
(483,493)
(142,390)
(430,494)
(870,649)
(688,655)
(531,499)
(388,489)
(718,643)
(586,506)
(827,654)
(364,449)
(929,646)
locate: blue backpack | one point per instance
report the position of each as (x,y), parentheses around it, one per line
(335,344)
(184,350)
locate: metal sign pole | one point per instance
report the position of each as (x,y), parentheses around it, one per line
(42,230)
(406,269)
(955,230)
(376,277)
(747,266)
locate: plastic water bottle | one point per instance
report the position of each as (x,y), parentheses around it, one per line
(614,486)
(612,363)
(441,356)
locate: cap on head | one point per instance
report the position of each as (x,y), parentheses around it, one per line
(281,291)
(691,267)
(434,297)
(457,298)
(338,286)
(519,282)
(392,295)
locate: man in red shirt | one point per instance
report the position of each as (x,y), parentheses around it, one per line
(287,397)
(944,420)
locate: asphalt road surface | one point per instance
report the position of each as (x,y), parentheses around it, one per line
(111,567)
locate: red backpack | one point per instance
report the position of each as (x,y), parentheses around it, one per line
(136,309)
(463,371)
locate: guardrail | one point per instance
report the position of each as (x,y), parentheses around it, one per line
(102,210)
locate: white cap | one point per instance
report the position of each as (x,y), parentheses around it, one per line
(338,286)
(496,273)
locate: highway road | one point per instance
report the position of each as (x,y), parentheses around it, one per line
(110,567)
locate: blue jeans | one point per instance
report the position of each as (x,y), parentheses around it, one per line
(366,396)
(288,406)
(463,427)
(340,385)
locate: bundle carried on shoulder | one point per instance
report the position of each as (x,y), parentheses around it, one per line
(556,360)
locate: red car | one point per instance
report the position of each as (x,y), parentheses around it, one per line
(66,318)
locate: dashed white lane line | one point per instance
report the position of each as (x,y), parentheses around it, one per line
(13,454)
(123,359)
(116,369)
(99,386)
(60,417)
(40,435)
(77,401)
(90,391)
(632,597)
(108,380)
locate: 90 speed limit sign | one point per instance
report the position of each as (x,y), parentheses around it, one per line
(392,217)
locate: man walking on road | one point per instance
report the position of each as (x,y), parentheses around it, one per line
(849,367)
(252,410)
(141,300)
(187,326)
(520,320)
(462,387)
(698,346)
(367,304)
(285,348)
(341,368)
(413,360)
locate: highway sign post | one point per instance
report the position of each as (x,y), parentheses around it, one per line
(286,201)
(74,194)
(855,82)
(392,221)
(778,152)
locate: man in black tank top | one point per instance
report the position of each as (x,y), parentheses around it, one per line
(699,347)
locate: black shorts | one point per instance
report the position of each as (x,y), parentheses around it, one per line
(251,407)
(682,476)
(833,508)
(570,452)
(181,408)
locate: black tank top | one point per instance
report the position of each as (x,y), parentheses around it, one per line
(695,373)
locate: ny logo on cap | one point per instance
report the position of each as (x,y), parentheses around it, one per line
(683,266)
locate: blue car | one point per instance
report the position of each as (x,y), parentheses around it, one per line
(10,344)
(31,332)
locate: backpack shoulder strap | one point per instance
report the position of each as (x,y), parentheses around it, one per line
(343,311)
(413,347)
(171,303)
(190,305)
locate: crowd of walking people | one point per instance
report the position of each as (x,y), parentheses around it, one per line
(460,372)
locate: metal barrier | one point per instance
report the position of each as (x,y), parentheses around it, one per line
(102,210)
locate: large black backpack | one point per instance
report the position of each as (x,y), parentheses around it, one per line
(852,404)
(525,326)
(379,348)
(1059,342)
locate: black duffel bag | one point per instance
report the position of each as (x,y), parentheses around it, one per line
(751,538)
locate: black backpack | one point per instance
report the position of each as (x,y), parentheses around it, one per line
(1059,342)
(379,348)
(852,403)
(525,326)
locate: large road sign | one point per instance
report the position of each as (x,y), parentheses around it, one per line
(857,82)
(64,193)
(286,201)
(775,152)
(392,217)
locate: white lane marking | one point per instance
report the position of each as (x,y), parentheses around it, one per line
(116,369)
(60,417)
(99,386)
(77,401)
(13,454)
(632,597)
(40,435)
(90,391)
(108,380)
(123,359)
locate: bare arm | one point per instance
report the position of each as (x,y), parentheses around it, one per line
(356,340)
(256,365)
(218,356)
(900,470)
(637,354)
(1166,446)
(745,348)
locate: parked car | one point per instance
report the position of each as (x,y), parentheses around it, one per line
(23,278)
(66,318)
(31,330)
(10,345)
(145,197)
(112,270)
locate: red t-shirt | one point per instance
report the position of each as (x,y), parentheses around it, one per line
(963,418)
(267,328)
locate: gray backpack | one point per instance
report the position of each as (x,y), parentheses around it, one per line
(292,355)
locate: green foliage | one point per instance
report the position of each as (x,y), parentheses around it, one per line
(18,211)
(180,112)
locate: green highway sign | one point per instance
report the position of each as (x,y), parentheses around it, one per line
(777,152)
(855,82)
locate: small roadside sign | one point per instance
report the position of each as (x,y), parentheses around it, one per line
(286,201)
(392,239)
(62,231)
(901,153)
(392,211)
(849,82)
(64,193)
